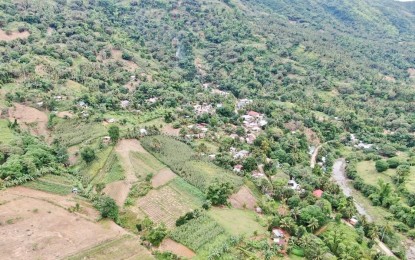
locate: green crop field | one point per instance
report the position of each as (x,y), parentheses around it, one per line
(6,134)
(73,132)
(179,157)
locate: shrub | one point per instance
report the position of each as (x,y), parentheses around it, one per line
(218,193)
(381,165)
(88,154)
(393,162)
(107,207)
(156,235)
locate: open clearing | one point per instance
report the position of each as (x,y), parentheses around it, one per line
(126,247)
(36,225)
(6,135)
(237,221)
(367,171)
(243,199)
(169,245)
(30,118)
(13,36)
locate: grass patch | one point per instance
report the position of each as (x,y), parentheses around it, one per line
(186,189)
(367,171)
(49,187)
(168,203)
(94,169)
(112,171)
(237,221)
(145,164)
(6,134)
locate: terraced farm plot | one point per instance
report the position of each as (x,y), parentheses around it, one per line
(167,204)
(126,247)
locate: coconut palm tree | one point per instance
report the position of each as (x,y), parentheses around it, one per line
(313,224)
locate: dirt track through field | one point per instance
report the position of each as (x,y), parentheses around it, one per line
(37,225)
(119,190)
(169,245)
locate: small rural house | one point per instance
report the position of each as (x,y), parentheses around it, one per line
(237,168)
(278,236)
(318,193)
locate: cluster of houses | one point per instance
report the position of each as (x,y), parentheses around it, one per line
(198,131)
(253,123)
(238,155)
(359,144)
(152,100)
(204,109)
(242,103)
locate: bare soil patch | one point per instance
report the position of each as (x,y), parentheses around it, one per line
(64,114)
(293,125)
(311,136)
(72,154)
(389,79)
(13,36)
(243,199)
(40,70)
(169,245)
(117,55)
(411,72)
(31,119)
(162,177)
(118,191)
(169,130)
(36,226)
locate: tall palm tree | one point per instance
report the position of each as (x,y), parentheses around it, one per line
(313,224)
(387,228)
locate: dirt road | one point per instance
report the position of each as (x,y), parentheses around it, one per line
(339,176)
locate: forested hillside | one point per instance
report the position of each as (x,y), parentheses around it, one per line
(226,97)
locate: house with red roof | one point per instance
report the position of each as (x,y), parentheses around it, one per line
(318,193)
